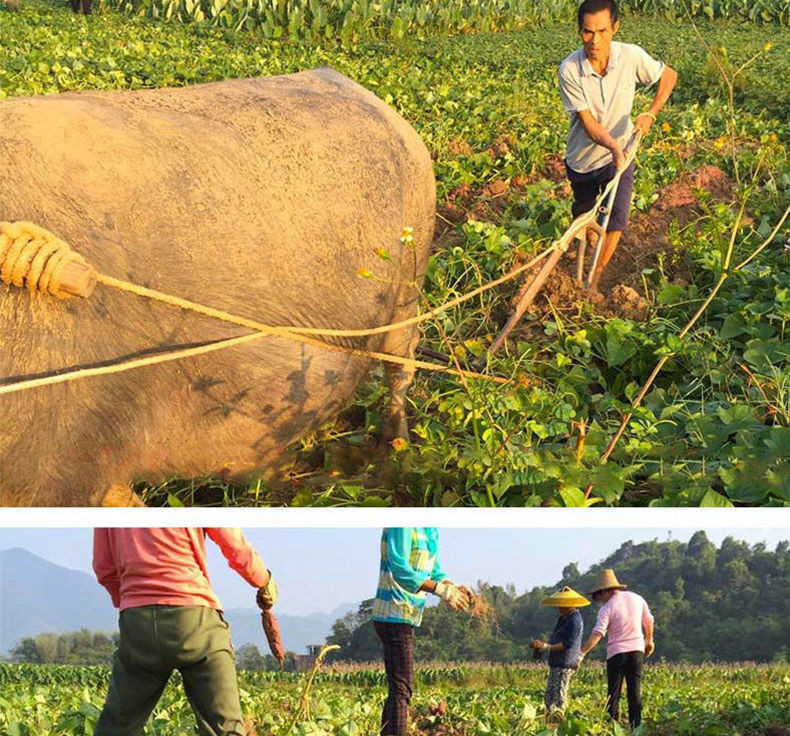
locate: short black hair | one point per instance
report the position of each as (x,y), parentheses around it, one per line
(588,7)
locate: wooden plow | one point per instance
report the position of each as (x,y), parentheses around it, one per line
(597,219)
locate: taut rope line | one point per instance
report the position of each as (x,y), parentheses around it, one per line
(128,365)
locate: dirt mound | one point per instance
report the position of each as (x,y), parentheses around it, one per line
(560,292)
(681,193)
(459,148)
(647,236)
(554,169)
(501,146)
(495,189)
(628,302)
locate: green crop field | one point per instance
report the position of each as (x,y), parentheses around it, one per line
(734,700)
(480,87)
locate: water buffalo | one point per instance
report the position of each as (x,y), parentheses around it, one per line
(264,197)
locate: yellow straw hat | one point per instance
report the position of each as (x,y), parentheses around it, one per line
(565,598)
(607,580)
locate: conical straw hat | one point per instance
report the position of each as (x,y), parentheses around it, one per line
(565,598)
(607,580)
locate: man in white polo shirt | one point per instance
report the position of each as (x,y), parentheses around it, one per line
(597,84)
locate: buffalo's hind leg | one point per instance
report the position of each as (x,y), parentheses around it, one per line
(395,425)
(121,496)
(400,379)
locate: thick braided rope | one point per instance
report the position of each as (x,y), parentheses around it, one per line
(33,257)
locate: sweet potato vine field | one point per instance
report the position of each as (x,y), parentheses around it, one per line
(714,428)
(450,700)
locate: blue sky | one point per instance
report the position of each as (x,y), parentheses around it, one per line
(319,569)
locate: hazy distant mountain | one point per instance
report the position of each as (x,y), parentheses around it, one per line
(39,596)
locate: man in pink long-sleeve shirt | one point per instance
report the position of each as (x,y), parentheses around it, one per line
(170,618)
(622,617)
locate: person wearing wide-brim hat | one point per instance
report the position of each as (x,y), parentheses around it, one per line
(564,646)
(625,618)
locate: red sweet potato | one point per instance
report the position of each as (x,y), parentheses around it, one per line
(272,630)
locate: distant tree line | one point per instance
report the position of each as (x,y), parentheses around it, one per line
(86,647)
(710,605)
(74,647)
(249,657)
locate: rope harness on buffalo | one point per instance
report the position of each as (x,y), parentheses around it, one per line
(34,258)
(24,246)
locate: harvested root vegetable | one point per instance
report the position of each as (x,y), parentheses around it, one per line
(481,609)
(272,630)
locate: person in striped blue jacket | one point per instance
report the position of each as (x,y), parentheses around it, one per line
(409,570)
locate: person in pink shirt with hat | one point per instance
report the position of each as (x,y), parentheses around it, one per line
(171,619)
(625,618)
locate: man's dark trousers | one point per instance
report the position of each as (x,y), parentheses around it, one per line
(627,665)
(155,640)
(398,641)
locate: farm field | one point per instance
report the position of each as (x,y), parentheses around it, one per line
(729,700)
(713,430)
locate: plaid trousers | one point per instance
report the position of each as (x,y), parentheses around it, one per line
(556,697)
(398,641)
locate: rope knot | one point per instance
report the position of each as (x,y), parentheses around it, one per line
(35,258)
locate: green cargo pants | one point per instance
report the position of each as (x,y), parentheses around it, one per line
(155,640)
